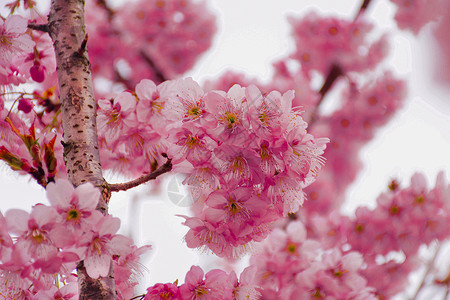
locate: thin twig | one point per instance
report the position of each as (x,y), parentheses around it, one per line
(109,11)
(116,187)
(138,297)
(83,45)
(334,73)
(430,265)
(39,27)
(158,73)
(363,8)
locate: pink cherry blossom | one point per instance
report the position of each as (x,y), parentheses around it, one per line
(162,291)
(199,286)
(75,205)
(413,15)
(13,38)
(322,42)
(34,230)
(97,247)
(116,116)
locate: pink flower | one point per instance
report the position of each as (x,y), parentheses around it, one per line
(246,288)
(163,291)
(323,42)
(152,100)
(194,145)
(206,234)
(239,163)
(127,268)
(76,206)
(117,116)
(239,205)
(196,287)
(34,230)
(414,14)
(228,112)
(13,38)
(268,113)
(66,292)
(186,101)
(98,246)
(5,238)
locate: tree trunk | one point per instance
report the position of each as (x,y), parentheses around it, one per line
(78,110)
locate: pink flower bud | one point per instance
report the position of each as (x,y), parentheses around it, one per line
(37,73)
(25,105)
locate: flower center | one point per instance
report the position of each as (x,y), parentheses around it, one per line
(73,215)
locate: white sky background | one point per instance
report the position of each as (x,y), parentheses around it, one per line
(252,34)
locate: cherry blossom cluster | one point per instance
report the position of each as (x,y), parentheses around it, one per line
(364,109)
(247,155)
(30,135)
(403,220)
(246,152)
(53,239)
(160,39)
(15,45)
(325,42)
(443,49)
(216,284)
(290,266)
(413,15)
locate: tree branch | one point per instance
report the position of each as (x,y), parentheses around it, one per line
(39,27)
(334,73)
(109,11)
(158,73)
(363,8)
(430,265)
(79,111)
(117,187)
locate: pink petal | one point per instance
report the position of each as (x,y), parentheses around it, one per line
(17,220)
(59,193)
(97,265)
(44,215)
(194,276)
(145,89)
(88,196)
(108,225)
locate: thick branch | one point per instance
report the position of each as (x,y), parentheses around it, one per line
(117,187)
(79,110)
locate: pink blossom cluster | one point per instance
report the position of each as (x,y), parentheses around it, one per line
(349,258)
(247,155)
(53,239)
(415,14)
(160,39)
(403,220)
(283,80)
(30,136)
(214,285)
(15,44)
(322,42)
(40,64)
(442,63)
(292,266)
(363,110)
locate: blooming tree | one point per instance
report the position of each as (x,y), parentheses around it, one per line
(266,167)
